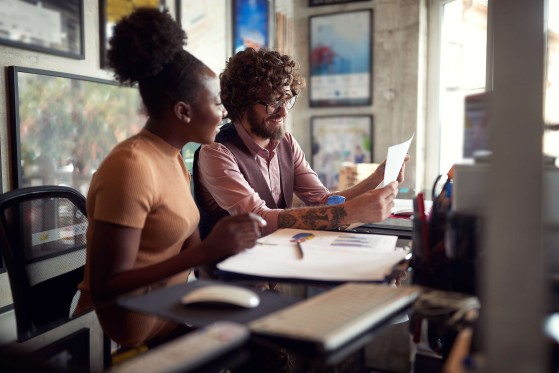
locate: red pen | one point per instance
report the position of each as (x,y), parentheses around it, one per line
(421,206)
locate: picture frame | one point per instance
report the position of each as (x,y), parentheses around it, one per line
(251,24)
(332,2)
(337,139)
(205,23)
(110,12)
(341,55)
(46,26)
(284,33)
(62,126)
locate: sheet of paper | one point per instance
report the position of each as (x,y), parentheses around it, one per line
(395,160)
(328,256)
(406,205)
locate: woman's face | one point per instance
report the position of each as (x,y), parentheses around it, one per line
(207,111)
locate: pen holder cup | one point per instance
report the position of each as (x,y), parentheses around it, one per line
(463,239)
(429,263)
(418,243)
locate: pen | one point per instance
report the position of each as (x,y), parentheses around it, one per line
(266,243)
(300,250)
(421,206)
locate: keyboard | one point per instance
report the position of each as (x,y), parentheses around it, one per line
(332,319)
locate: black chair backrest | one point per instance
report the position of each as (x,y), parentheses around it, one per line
(43,243)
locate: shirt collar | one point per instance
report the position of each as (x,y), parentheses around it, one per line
(249,142)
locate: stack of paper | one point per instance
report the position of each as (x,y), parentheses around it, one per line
(328,256)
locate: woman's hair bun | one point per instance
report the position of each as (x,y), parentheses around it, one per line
(143,43)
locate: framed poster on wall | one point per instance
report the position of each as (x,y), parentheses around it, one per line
(110,12)
(339,139)
(205,24)
(341,59)
(47,26)
(251,24)
(331,2)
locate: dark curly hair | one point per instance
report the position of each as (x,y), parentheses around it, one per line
(147,48)
(251,76)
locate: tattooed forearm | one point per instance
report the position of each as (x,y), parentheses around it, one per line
(312,218)
(315,219)
(286,220)
(338,216)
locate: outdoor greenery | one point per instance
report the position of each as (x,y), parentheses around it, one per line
(68,126)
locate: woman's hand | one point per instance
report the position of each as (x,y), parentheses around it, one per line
(234,234)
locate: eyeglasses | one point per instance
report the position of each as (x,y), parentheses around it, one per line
(274,107)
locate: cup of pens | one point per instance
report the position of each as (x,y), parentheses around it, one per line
(423,270)
(463,240)
(420,249)
(428,257)
(421,245)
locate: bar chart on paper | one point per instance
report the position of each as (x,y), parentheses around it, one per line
(328,256)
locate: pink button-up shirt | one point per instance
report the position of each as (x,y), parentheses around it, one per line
(220,175)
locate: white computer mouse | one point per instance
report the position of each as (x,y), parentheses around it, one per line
(222,295)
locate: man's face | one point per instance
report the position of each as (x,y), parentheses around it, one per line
(268,126)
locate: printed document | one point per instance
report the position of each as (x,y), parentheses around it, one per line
(395,159)
(327,256)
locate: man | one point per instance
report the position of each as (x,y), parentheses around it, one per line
(256,166)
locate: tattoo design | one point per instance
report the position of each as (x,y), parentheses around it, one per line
(316,218)
(286,220)
(338,216)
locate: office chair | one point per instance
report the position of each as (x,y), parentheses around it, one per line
(43,243)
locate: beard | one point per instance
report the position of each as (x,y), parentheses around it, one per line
(259,127)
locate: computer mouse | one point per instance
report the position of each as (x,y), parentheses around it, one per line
(222,295)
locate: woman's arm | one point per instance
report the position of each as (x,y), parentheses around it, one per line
(114,249)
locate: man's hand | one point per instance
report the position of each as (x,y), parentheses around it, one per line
(379,172)
(403,170)
(374,205)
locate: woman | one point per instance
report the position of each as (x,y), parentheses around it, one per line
(143,222)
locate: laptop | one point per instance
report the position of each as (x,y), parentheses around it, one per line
(401,227)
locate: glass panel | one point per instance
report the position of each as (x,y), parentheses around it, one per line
(551,110)
(463,64)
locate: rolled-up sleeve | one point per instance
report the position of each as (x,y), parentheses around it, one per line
(220,175)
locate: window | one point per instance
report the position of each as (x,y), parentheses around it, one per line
(458,43)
